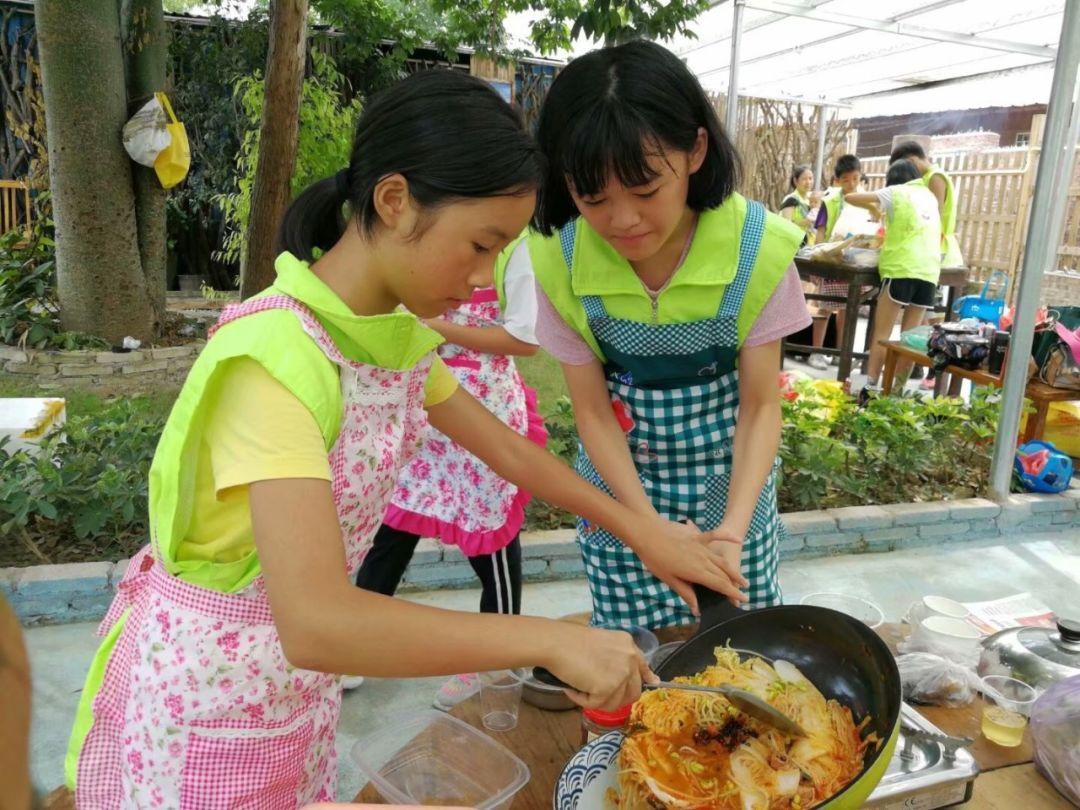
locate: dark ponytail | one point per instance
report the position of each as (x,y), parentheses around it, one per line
(449,134)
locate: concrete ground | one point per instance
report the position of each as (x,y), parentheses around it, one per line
(1047,565)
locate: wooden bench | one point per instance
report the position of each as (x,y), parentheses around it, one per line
(16,209)
(1040,394)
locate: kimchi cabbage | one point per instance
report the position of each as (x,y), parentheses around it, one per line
(692,750)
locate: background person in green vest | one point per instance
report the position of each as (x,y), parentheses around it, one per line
(941,186)
(665,295)
(910,262)
(847,177)
(801,203)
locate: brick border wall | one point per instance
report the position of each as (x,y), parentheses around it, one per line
(50,594)
(117,371)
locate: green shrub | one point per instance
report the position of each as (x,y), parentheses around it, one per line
(327,123)
(893,450)
(29,309)
(84,496)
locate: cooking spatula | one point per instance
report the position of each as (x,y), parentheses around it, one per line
(746,702)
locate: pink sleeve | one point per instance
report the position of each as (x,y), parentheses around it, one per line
(558,339)
(784,314)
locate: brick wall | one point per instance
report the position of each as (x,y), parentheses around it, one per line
(116,371)
(48,594)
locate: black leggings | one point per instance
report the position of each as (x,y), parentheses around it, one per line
(499,573)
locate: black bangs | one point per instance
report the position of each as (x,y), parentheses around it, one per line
(610,112)
(608,141)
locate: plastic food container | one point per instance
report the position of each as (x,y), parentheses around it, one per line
(431,758)
(866,612)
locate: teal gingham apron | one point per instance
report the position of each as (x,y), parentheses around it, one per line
(679,384)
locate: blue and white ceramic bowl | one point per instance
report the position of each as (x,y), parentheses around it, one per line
(590,773)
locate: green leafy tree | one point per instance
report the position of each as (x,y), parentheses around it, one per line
(480,22)
(327,122)
(206,63)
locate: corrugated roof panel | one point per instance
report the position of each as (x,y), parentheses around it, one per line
(817,58)
(1017,88)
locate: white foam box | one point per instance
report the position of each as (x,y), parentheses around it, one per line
(25,421)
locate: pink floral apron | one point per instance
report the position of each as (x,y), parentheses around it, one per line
(199,708)
(446,491)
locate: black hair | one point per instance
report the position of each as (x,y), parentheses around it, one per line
(797,172)
(449,134)
(845,164)
(907,149)
(901,171)
(612,109)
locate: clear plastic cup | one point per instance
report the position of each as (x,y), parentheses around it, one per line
(500,698)
(866,612)
(1005,716)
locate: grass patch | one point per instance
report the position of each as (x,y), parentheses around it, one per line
(543,372)
(83,402)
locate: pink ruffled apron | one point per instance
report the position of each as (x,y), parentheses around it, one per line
(199,708)
(446,491)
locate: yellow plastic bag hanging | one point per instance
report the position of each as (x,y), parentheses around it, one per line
(174,160)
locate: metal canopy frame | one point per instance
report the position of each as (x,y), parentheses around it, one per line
(982,51)
(1047,214)
(1045,224)
(904,29)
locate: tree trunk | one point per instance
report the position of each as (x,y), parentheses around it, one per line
(270,192)
(146,50)
(100,281)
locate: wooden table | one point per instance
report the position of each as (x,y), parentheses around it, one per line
(1040,394)
(858,278)
(547,740)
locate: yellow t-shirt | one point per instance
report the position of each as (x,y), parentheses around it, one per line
(256,430)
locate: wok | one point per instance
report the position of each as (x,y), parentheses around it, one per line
(841,656)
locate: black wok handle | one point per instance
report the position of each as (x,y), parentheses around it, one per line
(549,678)
(715,607)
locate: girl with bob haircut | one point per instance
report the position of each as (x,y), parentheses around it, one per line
(665,295)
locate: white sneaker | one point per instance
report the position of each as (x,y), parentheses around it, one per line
(456,690)
(819,361)
(351,681)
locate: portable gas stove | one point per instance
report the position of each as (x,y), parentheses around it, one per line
(928,770)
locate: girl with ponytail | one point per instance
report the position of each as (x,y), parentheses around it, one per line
(218,682)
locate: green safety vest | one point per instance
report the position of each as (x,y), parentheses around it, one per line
(912,246)
(694,292)
(833,203)
(950,245)
(277,341)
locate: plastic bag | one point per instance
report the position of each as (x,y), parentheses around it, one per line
(1055,736)
(154,137)
(146,134)
(935,681)
(962,651)
(174,161)
(917,338)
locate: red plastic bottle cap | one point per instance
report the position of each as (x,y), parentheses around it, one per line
(615,719)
